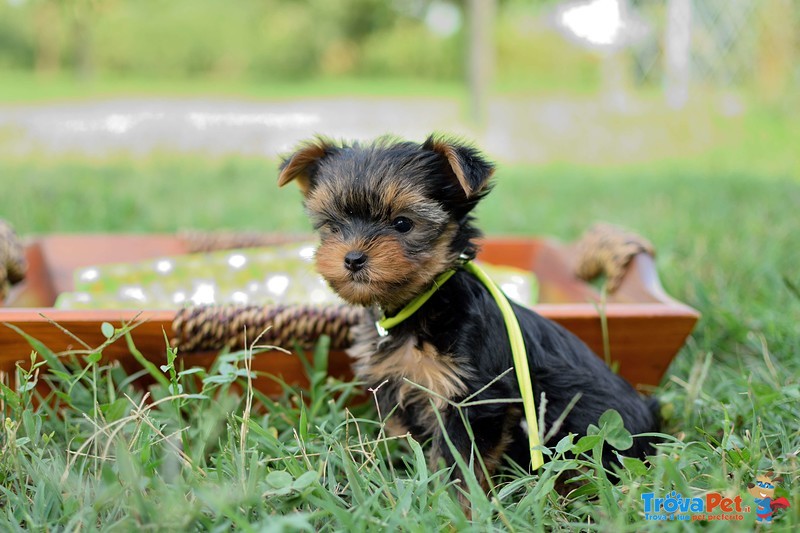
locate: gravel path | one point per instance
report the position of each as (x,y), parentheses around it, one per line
(519,130)
(215,126)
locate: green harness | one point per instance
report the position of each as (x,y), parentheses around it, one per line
(515,337)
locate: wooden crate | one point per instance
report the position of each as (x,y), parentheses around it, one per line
(646,327)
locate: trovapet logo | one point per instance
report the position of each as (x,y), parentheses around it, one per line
(676,506)
(715,506)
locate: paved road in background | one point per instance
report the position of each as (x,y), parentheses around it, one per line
(518,130)
(215,126)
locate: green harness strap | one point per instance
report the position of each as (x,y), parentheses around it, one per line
(515,337)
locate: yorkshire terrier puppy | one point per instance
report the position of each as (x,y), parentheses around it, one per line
(392,216)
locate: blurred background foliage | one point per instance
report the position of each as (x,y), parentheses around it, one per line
(259,39)
(741,60)
(267,40)
(535,90)
(748,44)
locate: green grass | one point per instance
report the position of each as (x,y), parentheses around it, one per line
(25,87)
(17,87)
(725,228)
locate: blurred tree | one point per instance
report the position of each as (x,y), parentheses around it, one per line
(358,19)
(51,18)
(16,43)
(47,36)
(778,46)
(83,14)
(481,56)
(353,24)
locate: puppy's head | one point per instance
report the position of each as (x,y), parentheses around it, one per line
(391,215)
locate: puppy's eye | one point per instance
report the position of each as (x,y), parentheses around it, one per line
(333,228)
(402,224)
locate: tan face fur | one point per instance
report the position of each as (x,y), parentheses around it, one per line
(760,493)
(355,195)
(393,274)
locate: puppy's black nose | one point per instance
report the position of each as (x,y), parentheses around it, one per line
(355,261)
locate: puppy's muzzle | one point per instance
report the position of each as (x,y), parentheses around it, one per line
(355,260)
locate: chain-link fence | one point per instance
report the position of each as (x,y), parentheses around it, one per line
(728,43)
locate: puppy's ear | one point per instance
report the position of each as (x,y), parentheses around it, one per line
(302,165)
(469,168)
